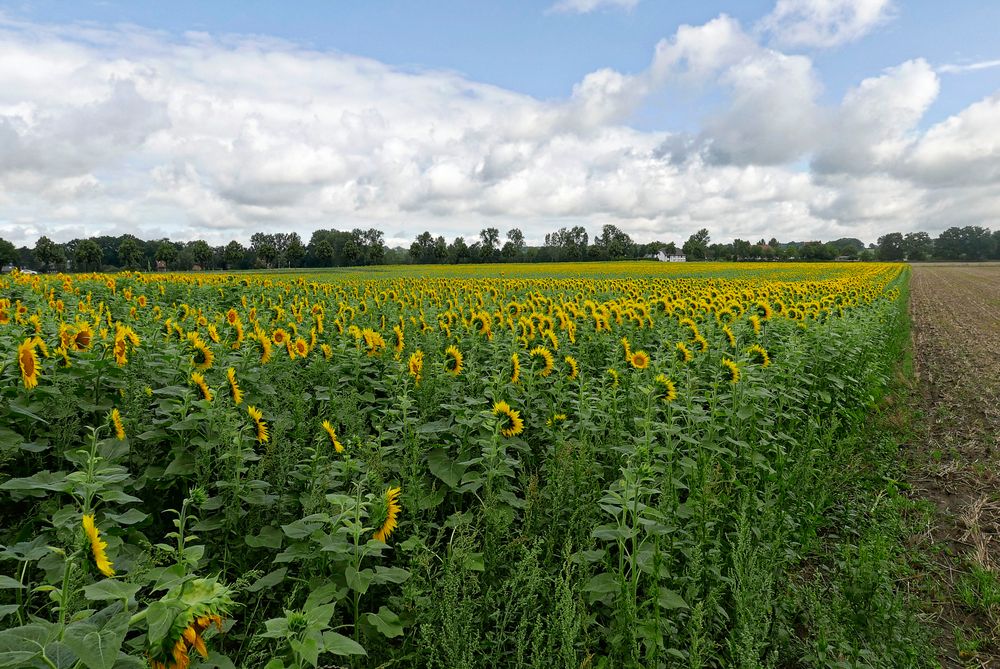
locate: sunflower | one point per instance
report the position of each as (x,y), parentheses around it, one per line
(392,509)
(627,347)
(400,341)
(415,366)
(301,347)
(97,546)
(639,360)
(327,351)
(328,427)
(120,347)
(556,419)
(83,336)
(513,425)
(234,387)
(374,341)
(683,353)
(28,361)
(755,324)
(203,356)
(515,374)
(613,373)
(759,355)
(199,380)
(116,420)
(732,370)
(258,419)
(546,356)
(232,317)
(668,388)
(453,360)
(730,337)
(574,366)
(279,337)
(701,343)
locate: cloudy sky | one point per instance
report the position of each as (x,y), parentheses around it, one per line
(799,119)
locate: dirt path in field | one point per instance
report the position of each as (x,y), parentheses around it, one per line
(954,460)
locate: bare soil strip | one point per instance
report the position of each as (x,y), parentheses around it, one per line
(953,462)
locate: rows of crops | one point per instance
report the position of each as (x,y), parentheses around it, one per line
(450,471)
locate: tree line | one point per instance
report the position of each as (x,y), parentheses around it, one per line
(341,248)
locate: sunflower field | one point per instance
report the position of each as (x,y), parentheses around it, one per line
(609,466)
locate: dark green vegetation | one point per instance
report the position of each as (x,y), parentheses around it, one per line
(754,520)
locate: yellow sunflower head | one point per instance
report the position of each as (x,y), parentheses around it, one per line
(27,360)
(390,509)
(639,360)
(511,424)
(453,360)
(731,370)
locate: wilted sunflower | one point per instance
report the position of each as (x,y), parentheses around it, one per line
(415,366)
(759,355)
(234,387)
(258,418)
(116,421)
(391,511)
(574,367)
(27,359)
(683,353)
(453,360)
(547,359)
(639,360)
(97,546)
(732,370)
(199,380)
(667,387)
(511,424)
(328,427)
(195,605)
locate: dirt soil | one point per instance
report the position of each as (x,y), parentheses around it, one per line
(954,460)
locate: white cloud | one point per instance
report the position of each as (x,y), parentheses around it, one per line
(824,23)
(958,68)
(108,131)
(588,6)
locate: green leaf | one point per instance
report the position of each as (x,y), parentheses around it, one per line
(269,537)
(338,644)
(669,599)
(7,609)
(159,618)
(358,580)
(307,649)
(473,562)
(445,468)
(110,589)
(130,517)
(97,647)
(390,575)
(8,583)
(434,426)
(269,580)
(386,622)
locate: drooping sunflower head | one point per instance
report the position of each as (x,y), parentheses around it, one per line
(258,419)
(759,355)
(548,362)
(574,367)
(755,323)
(203,357)
(98,546)
(330,432)
(731,370)
(639,360)
(453,360)
(415,366)
(388,510)
(234,387)
(196,606)
(510,421)
(515,372)
(400,340)
(116,422)
(373,341)
(627,348)
(27,360)
(198,380)
(667,389)
(683,353)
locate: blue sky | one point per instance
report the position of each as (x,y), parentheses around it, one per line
(514,52)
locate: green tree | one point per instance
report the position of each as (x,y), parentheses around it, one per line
(918,245)
(8,253)
(47,252)
(88,255)
(167,252)
(890,247)
(696,247)
(201,252)
(130,252)
(295,250)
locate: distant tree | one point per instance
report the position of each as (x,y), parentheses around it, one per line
(234,255)
(489,242)
(696,247)
(458,251)
(568,243)
(263,246)
(324,252)
(613,243)
(918,245)
(440,249)
(295,250)
(742,249)
(890,247)
(969,243)
(88,255)
(130,252)
(47,252)
(995,255)
(8,253)
(422,250)
(167,252)
(201,252)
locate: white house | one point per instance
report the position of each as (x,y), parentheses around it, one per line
(662,256)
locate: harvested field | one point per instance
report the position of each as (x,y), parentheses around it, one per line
(955,312)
